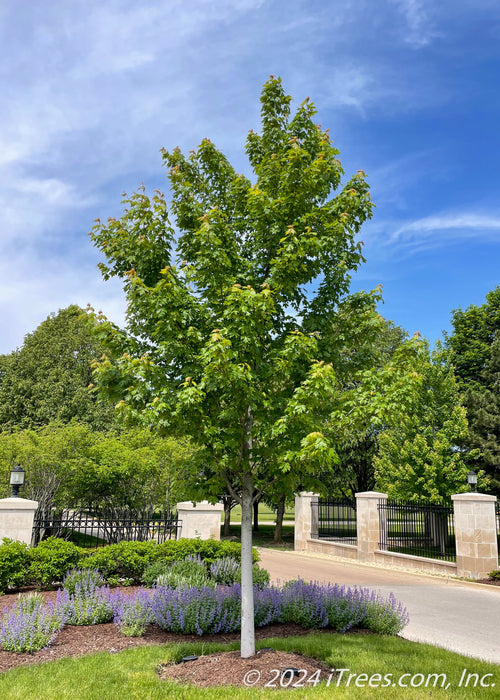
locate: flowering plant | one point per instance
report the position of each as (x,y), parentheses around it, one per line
(29,625)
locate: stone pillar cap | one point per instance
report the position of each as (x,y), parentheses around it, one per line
(205,505)
(473,497)
(19,503)
(371,494)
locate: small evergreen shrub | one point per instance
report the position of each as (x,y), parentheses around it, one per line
(125,562)
(51,560)
(14,559)
(495,575)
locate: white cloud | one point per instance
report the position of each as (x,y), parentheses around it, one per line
(420,30)
(31,289)
(466,224)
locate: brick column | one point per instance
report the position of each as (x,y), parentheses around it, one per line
(475,534)
(16,519)
(369,523)
(306,519)
(201,521)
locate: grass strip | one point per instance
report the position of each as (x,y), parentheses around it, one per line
(131,674)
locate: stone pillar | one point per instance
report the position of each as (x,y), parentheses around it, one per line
(475,534)
(16,519)
(369,522)
(306,519)
(201,521)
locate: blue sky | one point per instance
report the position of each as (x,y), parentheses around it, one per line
(91,90)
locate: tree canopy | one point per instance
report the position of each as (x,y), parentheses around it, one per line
(70,465)
(474,349)
(48,378)
(419,456)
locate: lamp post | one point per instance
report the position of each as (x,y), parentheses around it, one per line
(17,475)
(472,480)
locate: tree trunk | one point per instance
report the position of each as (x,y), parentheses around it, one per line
(247,604)
(280,512)
(227,501)
(256,515)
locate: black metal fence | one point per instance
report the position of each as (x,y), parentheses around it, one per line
(335,520)
(101,527)
(423,530)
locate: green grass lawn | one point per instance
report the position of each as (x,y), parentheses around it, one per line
(265,514)
(131,674)
(265,534)
(84,540)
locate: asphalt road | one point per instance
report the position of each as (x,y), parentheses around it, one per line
(460,616)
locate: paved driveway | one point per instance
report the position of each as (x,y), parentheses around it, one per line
(452,614)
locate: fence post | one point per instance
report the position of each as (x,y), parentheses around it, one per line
(306,519)
(201,521)
(16,519)
(369,523)
(475,534)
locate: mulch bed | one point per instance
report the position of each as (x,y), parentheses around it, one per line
(268,668)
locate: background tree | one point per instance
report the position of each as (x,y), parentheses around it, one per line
(69,465)
(51,456)
(419,456)
(221,339)
(473,347)
(133,469)
(360,344)
(48,378)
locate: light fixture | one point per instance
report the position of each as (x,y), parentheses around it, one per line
(472,480)
(17,475)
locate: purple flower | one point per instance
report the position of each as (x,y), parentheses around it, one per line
(29,625)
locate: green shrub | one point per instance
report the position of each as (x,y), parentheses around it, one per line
(495,574)
(123,560)
(151,572)
(51,560)
(209,550)
(14,558)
